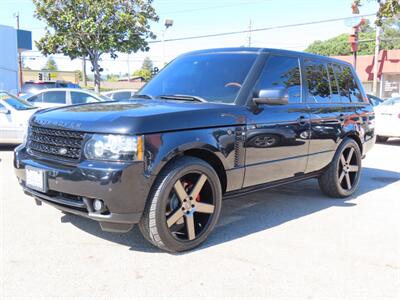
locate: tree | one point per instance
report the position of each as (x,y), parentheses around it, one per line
(339,45)
(50,65)
(91,28)
(147,64)
(387,9)
(146,71)
(146,74)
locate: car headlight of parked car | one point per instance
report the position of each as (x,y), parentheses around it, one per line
(114,147)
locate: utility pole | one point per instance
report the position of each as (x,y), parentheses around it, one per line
(19,59)
(250,25)
(376,60)
(84,71)
(376,57)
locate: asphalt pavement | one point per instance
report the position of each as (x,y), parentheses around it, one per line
(290,242)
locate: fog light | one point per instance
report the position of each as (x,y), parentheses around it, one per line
(98,205)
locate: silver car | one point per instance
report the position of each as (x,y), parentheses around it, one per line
(64,96)
(14,117)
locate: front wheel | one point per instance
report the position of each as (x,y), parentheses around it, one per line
(342,177)
(184,205)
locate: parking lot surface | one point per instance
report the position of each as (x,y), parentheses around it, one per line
(288,242)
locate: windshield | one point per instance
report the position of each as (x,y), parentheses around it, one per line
(15,102)
(214,77)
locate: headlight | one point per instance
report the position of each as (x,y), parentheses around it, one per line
(114,147)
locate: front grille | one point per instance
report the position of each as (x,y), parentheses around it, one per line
(55,143)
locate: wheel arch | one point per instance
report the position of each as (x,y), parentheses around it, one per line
(203,152)
(354,136)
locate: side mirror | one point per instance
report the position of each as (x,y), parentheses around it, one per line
(4,110)
(276,96)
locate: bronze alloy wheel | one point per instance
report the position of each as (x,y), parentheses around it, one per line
(342,176)
(348,168)
(190,206)
(184,205)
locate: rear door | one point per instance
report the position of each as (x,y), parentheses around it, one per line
(277,135)
(327,112)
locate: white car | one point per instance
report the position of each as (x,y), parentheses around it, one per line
(64,96)
(387,119)
(121,94)
(14,117)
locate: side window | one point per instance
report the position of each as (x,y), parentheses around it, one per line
(282,73)
(335,96)
(347,84)
(36,98)
(122,96)
(56,97)
(318,81)
(79,98)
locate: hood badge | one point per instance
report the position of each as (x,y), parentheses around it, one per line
(62,151)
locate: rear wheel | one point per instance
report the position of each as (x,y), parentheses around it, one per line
(184,205)
(342,177)
(381,139)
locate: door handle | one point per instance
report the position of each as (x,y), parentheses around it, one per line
(302,120)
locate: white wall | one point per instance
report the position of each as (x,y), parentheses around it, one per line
(8,59)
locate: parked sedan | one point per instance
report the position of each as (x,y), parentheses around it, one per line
(121,94)
(14,116)
(387,119)
(64,96)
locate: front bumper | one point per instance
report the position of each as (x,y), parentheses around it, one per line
(122,187)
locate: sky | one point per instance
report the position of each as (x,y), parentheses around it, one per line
(202,17)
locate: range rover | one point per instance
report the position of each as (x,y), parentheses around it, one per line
(212,124)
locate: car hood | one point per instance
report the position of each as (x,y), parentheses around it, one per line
(140,117)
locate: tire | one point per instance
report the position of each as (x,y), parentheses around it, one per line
(177,217)
(381,139)
(342,176)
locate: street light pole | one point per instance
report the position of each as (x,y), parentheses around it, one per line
(168,23)
(376,57)
(19,59)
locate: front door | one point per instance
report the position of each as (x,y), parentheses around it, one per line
(277,135)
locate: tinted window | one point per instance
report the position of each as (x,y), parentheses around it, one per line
(282,72)
(215,77)
(121,96)
(347,85)
(57,97)
(318,81)
(79,98)
(335,96)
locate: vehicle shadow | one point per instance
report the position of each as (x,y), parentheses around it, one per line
(256,212)
(393,142)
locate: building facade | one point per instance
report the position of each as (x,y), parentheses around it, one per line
(388,72)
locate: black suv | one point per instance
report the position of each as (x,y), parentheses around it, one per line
(212,124)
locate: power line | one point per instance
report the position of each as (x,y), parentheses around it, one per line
(214,7)
(259,29)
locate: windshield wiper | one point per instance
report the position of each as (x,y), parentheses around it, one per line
(182,97)
(142,96)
